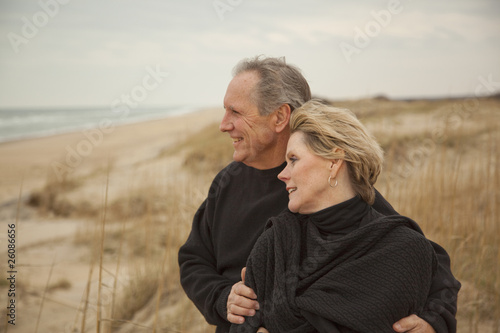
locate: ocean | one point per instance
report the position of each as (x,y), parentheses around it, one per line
(17,124)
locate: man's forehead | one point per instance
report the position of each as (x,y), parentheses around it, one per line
(245,81)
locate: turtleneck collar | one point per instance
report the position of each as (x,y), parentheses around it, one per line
(339,219)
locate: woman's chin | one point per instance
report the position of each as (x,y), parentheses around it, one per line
(293,208)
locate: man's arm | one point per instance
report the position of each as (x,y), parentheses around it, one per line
(198,271)
(441,306)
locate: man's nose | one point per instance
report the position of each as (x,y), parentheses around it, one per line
(225,124)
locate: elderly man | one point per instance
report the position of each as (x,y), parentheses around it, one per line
(258,104)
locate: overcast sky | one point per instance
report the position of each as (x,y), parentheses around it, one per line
(92,53)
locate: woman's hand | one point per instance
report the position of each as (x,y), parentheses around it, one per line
(262,330)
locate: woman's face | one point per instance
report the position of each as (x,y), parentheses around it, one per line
(306,177)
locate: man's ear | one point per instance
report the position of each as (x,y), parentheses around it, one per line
(282,117)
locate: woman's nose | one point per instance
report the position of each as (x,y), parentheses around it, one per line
(284,175)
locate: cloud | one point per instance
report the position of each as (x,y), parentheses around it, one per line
(92,50)
(469,28)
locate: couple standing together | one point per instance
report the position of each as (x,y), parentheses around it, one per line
(293,236)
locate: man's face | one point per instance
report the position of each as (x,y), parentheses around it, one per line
(252,134)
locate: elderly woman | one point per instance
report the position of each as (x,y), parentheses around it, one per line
(331,263)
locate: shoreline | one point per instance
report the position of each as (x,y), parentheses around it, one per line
(30,162)
(115,122)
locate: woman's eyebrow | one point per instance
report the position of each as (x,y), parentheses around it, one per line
(289,154)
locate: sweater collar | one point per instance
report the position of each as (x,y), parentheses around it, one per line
(273,172)
(341,218)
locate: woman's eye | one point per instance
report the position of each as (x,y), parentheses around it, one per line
(293,159)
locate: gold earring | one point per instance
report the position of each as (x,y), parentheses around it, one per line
(330,182)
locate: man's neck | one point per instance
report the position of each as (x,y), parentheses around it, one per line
(271,161)
(274,157)
(266,166)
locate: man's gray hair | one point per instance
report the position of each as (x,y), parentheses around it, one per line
(280,83)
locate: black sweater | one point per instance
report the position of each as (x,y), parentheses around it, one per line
(228,223)
(346,268)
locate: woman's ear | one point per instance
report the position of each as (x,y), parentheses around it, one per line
(335,166)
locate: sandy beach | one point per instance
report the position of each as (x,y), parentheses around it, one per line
(31,162)
(46,245)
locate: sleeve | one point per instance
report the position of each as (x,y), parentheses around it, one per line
(206,288)
(255,269)
(441,307)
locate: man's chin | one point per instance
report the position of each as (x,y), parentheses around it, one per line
(248,160)
(245,161)
(238,157)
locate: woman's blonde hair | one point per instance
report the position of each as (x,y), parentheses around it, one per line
(328,129)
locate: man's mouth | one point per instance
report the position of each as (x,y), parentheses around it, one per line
(235,140)
(292,189)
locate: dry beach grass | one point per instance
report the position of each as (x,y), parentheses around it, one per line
(97,246)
